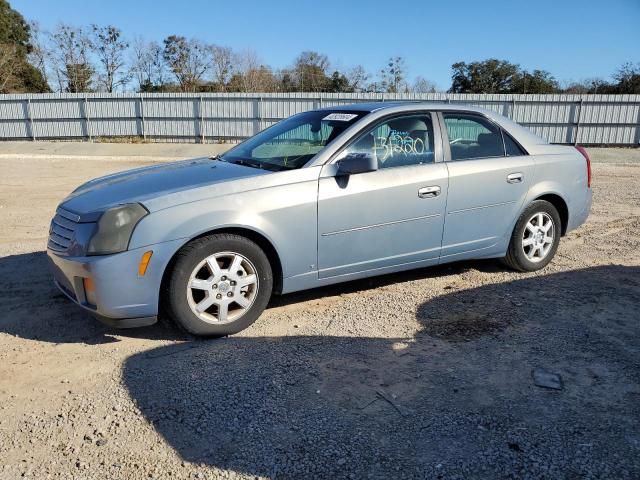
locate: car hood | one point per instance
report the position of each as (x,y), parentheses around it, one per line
(148,183)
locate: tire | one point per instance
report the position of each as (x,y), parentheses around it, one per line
(527,236)
(197,291)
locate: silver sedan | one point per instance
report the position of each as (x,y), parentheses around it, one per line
(325,196)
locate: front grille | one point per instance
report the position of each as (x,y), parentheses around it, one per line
(62,230)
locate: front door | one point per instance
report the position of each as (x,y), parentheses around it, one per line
(389,217)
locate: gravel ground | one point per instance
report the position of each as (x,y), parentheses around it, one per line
(425,374)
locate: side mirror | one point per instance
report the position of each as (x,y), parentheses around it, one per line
(356,162)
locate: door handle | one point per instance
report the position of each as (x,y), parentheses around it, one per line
(429,192)
(515,177)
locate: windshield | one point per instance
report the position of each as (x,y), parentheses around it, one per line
(292,142)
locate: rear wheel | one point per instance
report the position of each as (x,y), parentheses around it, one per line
(535,238)
(219,285)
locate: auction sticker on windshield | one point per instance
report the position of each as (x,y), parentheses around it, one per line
(341,117)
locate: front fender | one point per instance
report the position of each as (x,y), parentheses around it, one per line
(285,215)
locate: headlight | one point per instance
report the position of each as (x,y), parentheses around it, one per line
(115,228)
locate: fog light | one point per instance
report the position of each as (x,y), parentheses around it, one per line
(89,290)
(144,263)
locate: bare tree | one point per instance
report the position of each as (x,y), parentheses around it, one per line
(319,60)
(40,54)
(222,64)
(285,81)
(251,74)
(246,62)
(147,65)
(310,72)
(422,85)
(72,66)
(393,75)
(628,78)
(261,79)
(187,59)
(357,77)
(110,49)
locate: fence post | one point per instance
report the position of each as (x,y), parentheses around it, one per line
(575,138)
(201,111)
(257,125)
(513,109)
(143,129)
(87,121)
(30,119)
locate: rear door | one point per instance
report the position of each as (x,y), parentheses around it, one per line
(389,217)
(489,177)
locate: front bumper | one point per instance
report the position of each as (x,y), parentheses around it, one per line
(121,298)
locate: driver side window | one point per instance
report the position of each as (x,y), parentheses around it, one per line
(398,142)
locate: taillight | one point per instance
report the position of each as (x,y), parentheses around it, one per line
(584,153)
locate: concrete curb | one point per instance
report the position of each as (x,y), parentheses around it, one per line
(105,158)
(112,151)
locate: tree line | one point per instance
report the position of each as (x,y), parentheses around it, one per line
(100,58)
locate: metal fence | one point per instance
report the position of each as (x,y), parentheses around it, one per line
(174,117)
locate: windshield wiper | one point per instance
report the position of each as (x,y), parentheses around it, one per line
(247,163)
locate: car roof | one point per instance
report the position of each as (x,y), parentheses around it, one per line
(521,134)
(404,105)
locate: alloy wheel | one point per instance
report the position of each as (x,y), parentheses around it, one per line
(538,237)
(222,287)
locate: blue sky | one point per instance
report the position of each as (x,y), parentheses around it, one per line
(573,39)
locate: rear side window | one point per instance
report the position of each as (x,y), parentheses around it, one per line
(472,136)
(511,147)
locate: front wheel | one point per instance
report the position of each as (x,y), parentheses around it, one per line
(535,238)
(219,285)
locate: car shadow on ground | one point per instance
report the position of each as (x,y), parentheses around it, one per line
(32,307)
(456,401)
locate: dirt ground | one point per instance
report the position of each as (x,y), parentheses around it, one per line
(425,374)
